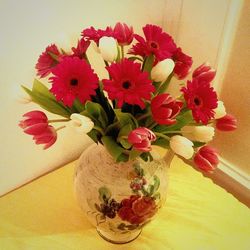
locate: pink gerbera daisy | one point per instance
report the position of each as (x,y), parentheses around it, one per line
(46,61)
(157,42)
(128,84)
(201,99)
(73,78)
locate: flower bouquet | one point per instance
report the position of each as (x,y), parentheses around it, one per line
(130,110)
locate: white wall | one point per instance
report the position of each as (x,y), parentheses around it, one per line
(28,26)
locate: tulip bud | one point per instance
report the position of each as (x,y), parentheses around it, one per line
(123,33)
(204,73)
(182,146)
(162,70)
(206,159)
(220,111)
(108,48)
(226,123)
(198,133)
(141,139)
(81,123)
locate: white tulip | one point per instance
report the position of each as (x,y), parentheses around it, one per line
(162,70)
(220,111)
(198,133)
(182,146)
(108,48)
(81,123)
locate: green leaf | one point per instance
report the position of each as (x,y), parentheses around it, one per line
(93,134)
(113,148)
(161,142)
(78,105)
(146,156)
(165,85)
(104,194)
(126,118)
(148,63)
(123,158)
(198,144)
(125,143)
(43,100)
(40,88)
(97,113)
(134,153)
(124,131)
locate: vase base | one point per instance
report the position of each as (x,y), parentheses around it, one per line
(116,238)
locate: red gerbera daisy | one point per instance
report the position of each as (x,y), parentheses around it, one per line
(91,34)
(201,99)
(73,78)
(46,62)
(157,42)
(81,48)
(183,63)
(128,84)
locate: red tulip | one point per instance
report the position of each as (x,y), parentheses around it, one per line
(164,109)
(123,34)
(36,124)
(141,139)
(226,123)
(47,137)
(206,159)
(204,73)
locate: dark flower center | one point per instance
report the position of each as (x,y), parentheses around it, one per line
(73,82)
(197,101)
(154,45)
(126,84)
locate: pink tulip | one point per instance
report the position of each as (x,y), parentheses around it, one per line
(226,123)
(123,34)
(165,109)
(204,73)
(141,139)
(48,137)
(206,159)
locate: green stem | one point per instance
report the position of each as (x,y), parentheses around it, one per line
(99,130)
(162,135)
(106,63)
(122,50)
(152,125)
(60,128)
(143,116)
(174,132)
(58,120)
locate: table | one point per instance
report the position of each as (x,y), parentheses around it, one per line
(198,215)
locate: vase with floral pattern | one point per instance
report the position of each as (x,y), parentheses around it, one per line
(119,199)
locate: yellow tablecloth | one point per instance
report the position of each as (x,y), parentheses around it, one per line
(198,215)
